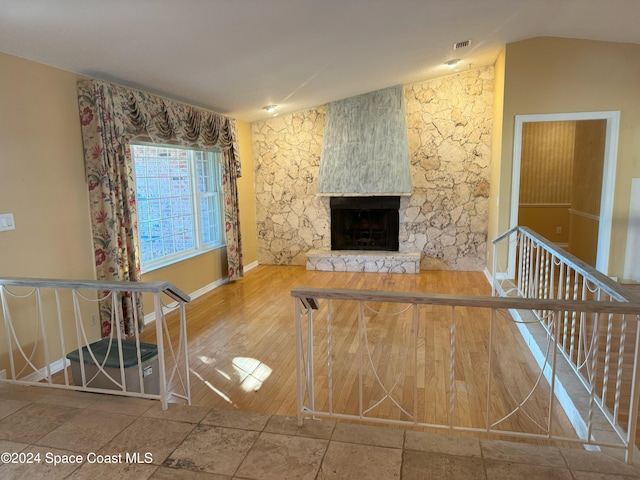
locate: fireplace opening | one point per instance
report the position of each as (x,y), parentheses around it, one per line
(365,223)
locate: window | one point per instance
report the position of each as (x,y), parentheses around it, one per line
(179,197)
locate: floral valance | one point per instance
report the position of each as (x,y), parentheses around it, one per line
(139,114)
(110,117)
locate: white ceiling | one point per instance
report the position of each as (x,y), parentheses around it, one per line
(236,56)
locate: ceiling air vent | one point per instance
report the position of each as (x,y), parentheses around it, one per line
(463,44)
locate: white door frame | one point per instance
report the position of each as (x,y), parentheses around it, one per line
(608,177)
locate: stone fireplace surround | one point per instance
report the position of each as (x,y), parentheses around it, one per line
(443,223)
(364,238)
(363,261)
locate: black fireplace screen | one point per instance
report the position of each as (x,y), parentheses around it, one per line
(365,223)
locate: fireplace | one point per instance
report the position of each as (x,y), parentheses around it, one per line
(365,223)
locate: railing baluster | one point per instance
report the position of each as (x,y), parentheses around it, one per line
(452,366)
(157,300)
(63,348)
(361,339)
(329,357)
(492,326)
(415,327)
(542,274)
(554,358)
(45,342)
(8,327)
(117,308)
(185,350)
(579,340)
(607,353)
(536,273)
(621,348)
(634,396)
(137,340)
(592,352)
(565,314)
(533,252)
(299,358)
(78,321)
(607,358)
(310,354)
(573,317)
(549,285)
(527,263)
(521,243)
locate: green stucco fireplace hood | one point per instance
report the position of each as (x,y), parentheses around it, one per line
(364,148)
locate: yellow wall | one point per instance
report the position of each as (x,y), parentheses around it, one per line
(559,75)
(42,174)
(42,183)
(247,196)
(495,228)
(191,274)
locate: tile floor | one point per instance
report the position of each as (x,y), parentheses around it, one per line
(110,437)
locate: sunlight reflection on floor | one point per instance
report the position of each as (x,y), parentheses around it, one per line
(258,372)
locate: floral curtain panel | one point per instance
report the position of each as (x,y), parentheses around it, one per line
(111,116)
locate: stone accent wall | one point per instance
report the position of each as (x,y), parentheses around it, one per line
(445,219)
(291,218)
(449,123)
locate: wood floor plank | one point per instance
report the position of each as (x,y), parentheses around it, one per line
(251,321)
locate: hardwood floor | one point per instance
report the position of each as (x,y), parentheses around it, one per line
(242,350)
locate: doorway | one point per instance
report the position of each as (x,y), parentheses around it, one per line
(560,188)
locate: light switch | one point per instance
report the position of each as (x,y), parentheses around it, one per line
(6,222)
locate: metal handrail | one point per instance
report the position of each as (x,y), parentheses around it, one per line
(467,300)
(583,268)
(31,337)
(595,344)
(309,300)
(124,286)
(580,312)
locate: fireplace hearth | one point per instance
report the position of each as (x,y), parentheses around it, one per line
(365,223)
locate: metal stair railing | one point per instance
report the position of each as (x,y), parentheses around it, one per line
(43,320)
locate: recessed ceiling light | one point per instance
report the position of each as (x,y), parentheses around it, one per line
(270,108)
(452,63)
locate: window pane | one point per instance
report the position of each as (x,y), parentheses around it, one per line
(203,167)
(208,214)
(174,187)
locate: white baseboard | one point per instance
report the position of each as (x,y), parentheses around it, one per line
(251,266)
(55,367)
(208,288)
(488,275)
(500,276)
(151,317)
